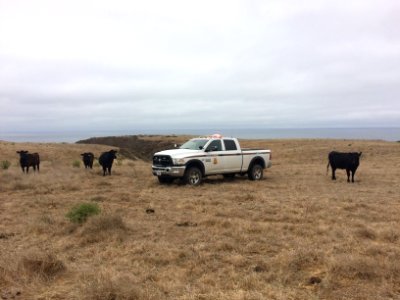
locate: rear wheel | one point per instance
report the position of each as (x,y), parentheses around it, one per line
(193,176)
(256,172)
(165,179)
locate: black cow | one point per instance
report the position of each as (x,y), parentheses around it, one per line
(348,161)
(106,160)
(88,158)
(27,160)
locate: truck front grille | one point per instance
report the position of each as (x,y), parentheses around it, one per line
(162,160)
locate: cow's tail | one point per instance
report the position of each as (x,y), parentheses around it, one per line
(327,168)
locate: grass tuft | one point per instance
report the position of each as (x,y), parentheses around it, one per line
(104,223)
(21,186)
(5,164)
(103,227)
(80,213)
(103,287)
(46,266)
(355,267)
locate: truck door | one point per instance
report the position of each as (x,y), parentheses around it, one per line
(232,157)
(213,160)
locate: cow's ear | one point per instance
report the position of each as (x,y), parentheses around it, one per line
(18,152)
(82,154)
(359,154)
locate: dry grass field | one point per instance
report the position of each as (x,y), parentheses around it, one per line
(294,235)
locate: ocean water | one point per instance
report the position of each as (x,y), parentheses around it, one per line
(387,134)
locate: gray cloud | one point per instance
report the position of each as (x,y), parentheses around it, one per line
(196,65)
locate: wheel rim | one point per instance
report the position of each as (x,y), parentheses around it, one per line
(257,173)
(194,177)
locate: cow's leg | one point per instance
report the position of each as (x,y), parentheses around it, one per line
(27,169)
(23,169)
(104,171)
(109,170)
(38,167)
(333,174)
(352,175)
(348,175)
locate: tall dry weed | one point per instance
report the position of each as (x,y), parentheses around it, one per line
(104,227)
(104,223)
(45,266)
(355,267)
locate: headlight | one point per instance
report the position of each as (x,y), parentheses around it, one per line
(178,161)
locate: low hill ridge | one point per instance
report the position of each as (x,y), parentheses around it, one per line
(135,146)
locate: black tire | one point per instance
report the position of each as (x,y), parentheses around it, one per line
(193,176)
(256,172)
(165,179)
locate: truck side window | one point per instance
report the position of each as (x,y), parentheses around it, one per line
(215,146)
(230,145)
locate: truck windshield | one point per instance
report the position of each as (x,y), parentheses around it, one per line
(195,144)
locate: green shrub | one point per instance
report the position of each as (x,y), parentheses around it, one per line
(5,164)
(80,213)
(76,164)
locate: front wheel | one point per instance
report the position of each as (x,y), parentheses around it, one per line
(193,176)
(256,172)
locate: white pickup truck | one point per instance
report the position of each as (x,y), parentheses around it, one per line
(213,155)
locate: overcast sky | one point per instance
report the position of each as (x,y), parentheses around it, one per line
(120,65)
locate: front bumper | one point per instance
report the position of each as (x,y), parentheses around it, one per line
(173,171)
